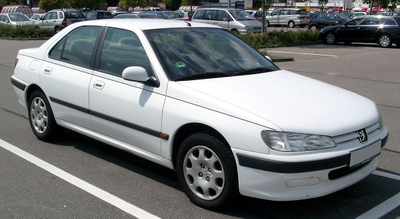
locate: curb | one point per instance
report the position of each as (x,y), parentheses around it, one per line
(283,60)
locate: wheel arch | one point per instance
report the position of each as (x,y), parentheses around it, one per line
(30,89)
(189,129)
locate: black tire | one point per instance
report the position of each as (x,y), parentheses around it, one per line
(214,169)
(291,24)
(41,118)
(234,31)
(330,38)
(57,29)
(385,41)
(267,23)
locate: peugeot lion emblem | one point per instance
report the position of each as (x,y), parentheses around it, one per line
(362,135)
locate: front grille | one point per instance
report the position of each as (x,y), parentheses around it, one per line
(371,130)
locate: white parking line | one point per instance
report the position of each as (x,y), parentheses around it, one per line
(301,53)
(99,193)
(386,206)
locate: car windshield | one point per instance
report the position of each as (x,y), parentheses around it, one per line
(199,53)
(18,17)
(240,15)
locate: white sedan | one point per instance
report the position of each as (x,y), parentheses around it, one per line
(197,99)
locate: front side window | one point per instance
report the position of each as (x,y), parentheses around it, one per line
(356,21)
(198,53)
(275,12)
(77,46)
(223,15)
(50,16)
(122,49)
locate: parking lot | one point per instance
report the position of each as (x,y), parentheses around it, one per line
(77,177)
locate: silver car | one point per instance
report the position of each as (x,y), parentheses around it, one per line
(55,20)
(290,17)
(235,20)
(15,19)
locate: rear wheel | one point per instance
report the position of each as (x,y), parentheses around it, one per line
(313,27)
(291,24)
(207,171)
(57,29)
(330,38)
(41,117)
(385,41)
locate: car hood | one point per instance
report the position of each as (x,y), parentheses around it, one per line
(250,23)
(281,100)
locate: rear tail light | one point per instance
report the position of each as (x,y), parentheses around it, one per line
(309,20)
(64,23)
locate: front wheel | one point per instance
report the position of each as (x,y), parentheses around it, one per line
(207,171)
(385,41)
(41,117)
(313,27)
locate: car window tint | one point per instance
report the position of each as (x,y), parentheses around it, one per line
(210,14)
(221,15)
(122,49)
(372,21)
(78,47)
(356,21)
(200,14)
(275,12)
(60,14)
(387,21)
(332,17)
(284,12)
(322,16)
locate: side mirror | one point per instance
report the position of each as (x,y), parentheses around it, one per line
(139,74)
(269,58)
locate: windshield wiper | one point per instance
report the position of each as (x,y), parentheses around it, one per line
(254,71)
(203,75)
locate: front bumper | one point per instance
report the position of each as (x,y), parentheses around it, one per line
(302,177)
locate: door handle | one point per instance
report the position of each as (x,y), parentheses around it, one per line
(98,85)
(47,70)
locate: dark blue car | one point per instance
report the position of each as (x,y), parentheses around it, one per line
(379,29)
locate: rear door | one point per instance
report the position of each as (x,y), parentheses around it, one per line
(66,73)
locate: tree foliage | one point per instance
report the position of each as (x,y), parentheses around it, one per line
(132,3)
(8,2)
(322,4)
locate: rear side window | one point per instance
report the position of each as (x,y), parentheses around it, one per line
(372,21)
(73,14)
(77,46)
(322,16)
(389,22)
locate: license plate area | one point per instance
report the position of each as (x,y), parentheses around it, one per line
(364,154)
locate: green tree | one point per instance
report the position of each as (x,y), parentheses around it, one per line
(47,5)
(322,4)
(8,2)
(132,3)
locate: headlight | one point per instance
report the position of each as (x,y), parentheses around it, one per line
(282,141)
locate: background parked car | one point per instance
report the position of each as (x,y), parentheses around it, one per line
(290,17)
(181,15)
(93,15)
(56,19)
(370,29)
(37,17)
(15,19)
(235,20)
(321,20)
(256,14)
(126,16)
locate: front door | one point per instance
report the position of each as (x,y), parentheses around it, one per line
(126,111)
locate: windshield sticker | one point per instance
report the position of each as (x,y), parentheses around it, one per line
(180,65)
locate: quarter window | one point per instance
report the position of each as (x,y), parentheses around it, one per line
(122,49)
(389,22)
(77,46)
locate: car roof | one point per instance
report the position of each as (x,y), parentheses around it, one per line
(145,24)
